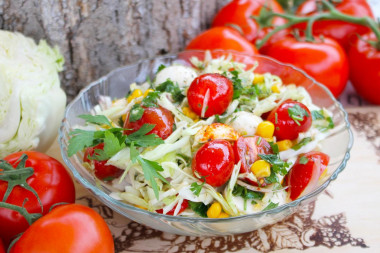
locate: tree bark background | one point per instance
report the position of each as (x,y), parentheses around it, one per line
(96,36)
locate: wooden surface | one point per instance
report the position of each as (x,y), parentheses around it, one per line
(345,218)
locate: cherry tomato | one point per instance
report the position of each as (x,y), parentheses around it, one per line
(247,150)
(50,180)
(2,248)
(67,228)
(303,176)
(364,62)
(324,60)
(222,38)
(184,205)
(214,161)
(341,31)
(290,118)
(219,91)
(240,12)
(158,116)
(101,170)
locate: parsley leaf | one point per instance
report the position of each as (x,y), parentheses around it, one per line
(161,67)
(82,139)
(95,119)
(274,147)
(151,99)
(297,113)
(316,115)
(278,165)
(271,205)
(136,113)
(196,188)
(246,194)
(330,125)
(172,88)
(303,160)
(236,82)
(302,143)
(272,178)
(199,208)
(141,139)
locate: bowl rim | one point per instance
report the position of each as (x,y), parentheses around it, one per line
(119,204)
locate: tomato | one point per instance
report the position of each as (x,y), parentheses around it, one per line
(2,249)
(290,118)
(239,12)
(50,180)
(364,62)
(324,60)
(217,88)
(214,162)
(341,31)
(66,229)
(222,38)
(303,178)
(101,170)
(158,116)
(184,205)
(247,150)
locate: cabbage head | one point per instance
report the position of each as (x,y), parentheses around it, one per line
(32,102)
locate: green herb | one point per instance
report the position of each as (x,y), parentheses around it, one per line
(330,125)
(161,67)
(151,99)
(303,160)
(272,178)
(81,139)
(136,113)
(236,81)
(259,140)
(270,206)
(199,208)
(302,143)
(185,157)
(246,194)
(196,188)
(151,169)
(274,147)
(113,143)
(140,137)
(297,113)
(316,115)
(278,165)
(95,119)
(172,88)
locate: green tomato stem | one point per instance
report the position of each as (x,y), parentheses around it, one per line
(30,217)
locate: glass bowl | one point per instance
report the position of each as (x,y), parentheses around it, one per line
(116,85)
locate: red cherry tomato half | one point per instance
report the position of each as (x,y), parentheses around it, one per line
(324,60)
(303,178)
(222,38)
(101,170)
(290,118)
(364,62)
(50,180)
(214,161)
(158,116)
(67,228)
(213,89)
(247,150)
(342,32)
(184,205)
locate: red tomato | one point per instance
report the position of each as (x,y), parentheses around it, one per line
(214,161)
(239,12)
(247,150)
(101,170)
(286,125)
(50,180)
(341,31)
(184,205)
(66,229)
(2,249)
(158,116)
(325,61)
(303,178)
(364,62)
(222,38)
(220,90)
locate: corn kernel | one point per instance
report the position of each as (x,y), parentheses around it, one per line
(265,129)
(258,79)
(124,117)
(147,92)
(275,89)
(223,215)
(215,210)
(284,145)
(135,94)
(189,113)
(261,168)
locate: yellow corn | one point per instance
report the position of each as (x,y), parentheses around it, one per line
(147,92)
(141,207)
(215,210)
(135,94)
(261,168)
(265,129)
(223,215)
(275,89)
(189,113)
(284,145)
(258,79)
(124,117)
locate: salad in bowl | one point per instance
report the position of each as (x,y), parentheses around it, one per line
(207,137)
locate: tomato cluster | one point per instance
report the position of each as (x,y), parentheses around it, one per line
(335,55)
